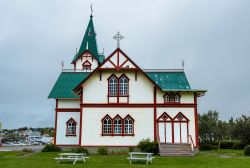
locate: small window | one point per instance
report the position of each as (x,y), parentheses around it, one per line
(123,86)
(128,125)
(166,98)
(177,98)
(117,125)
(113,82)
(86,65)
(71,127)
(172,98)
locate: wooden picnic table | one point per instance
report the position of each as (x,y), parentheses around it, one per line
(134,156)
(74,157)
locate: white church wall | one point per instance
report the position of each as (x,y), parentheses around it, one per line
(92,126)
(96,91)
(62,118)
(68,103)
(186,97)
(188,112)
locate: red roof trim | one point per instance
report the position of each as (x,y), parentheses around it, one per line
(117,50)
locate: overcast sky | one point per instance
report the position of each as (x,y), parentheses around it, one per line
(213,37)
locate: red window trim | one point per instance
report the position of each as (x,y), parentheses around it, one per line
(118,88)
(113,75)
(103,125)
(71,119)
(112,126)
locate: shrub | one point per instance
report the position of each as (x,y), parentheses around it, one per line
(82,150)
(226,144)
(27,150)
(206,146)
(238,145)
(146,145)
(131,149)
(102,150)
(247,150)
(51,148)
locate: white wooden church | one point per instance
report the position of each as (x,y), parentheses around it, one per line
(110,101)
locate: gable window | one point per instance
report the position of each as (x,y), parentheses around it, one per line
(128,125)
(117,125)
(118,87)
(71,127)
(113,83)
(123,86)
(107,125)
(172,98)
(86,65)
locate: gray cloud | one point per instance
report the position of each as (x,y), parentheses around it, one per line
(212,37)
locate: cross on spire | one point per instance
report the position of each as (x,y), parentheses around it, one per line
(118,37)
(91,9)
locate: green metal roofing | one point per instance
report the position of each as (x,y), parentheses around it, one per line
(170,80)
(89,42)
(65,84)
(167,81)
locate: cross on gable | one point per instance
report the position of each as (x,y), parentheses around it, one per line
(118,37)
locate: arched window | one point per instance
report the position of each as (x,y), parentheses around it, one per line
(177,98)
(117,125)
(107,125)
(113,83)
(123,86)
(166,98)
(128,125)
(71,127)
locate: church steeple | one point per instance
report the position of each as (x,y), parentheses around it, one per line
(89,42)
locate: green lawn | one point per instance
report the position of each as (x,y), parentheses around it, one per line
(213,159)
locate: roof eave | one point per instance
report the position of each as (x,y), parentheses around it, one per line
(198,92)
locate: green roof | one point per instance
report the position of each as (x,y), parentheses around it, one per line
(170,80)
(65,84)
(89,42)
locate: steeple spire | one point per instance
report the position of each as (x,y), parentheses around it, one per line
(91,10)
(89,41)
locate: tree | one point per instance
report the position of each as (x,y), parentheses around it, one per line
(241,130)
(208,126)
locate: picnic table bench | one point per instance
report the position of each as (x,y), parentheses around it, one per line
(74,157)
(134,156)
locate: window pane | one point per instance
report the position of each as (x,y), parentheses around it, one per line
(123,86)
(117,126)
(113,86)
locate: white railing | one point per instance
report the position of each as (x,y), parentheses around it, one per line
(144,70)
(190,139)
(77,70)
(163,70)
